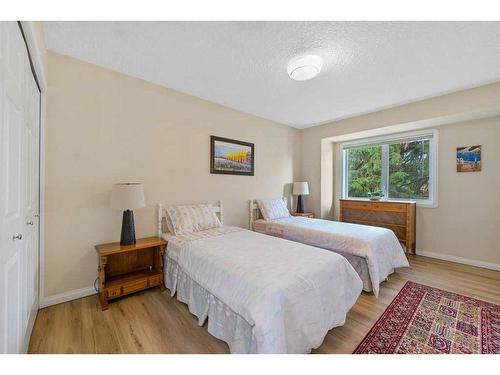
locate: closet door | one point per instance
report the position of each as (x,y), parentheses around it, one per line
(30,275)
(32,203)
(18,154)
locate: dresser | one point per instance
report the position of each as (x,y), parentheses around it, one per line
(399,216)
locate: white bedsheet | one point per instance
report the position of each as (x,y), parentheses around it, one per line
(379,246)
(273,228)
(290,294)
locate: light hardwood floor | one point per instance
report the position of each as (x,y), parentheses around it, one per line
(154,322)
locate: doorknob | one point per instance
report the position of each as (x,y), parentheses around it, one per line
(17,237)
(29,222)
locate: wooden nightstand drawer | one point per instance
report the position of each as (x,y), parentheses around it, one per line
(304,214)
(134,286)
(155,280)
(113,292)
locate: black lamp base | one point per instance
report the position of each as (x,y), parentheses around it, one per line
(300,207)
(128,228)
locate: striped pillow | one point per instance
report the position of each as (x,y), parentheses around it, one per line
(273,208)
(192,218)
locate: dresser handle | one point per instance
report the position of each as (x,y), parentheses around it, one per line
(29,222)
(17,237)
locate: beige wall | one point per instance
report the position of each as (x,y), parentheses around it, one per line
(466,223)
(104,127)
(40,42)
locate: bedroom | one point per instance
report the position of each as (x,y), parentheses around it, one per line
(250,187)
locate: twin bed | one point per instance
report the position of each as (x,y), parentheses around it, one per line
(374,252)
(259,293)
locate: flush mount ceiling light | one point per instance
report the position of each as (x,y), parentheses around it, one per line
(303,68)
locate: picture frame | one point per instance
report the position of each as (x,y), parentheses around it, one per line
(469,159)
(230,156)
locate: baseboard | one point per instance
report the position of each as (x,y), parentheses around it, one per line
(67,296)
(27,336)
(451,258)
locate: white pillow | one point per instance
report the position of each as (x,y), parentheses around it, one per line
(192,218)
(272,209)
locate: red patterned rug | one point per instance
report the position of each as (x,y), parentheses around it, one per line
(422,319)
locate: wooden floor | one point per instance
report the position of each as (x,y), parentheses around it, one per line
(154,322)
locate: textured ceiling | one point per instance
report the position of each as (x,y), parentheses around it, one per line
(242,65)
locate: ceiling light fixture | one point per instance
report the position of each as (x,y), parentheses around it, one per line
(303,68)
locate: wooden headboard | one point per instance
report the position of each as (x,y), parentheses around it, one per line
(254,212)
(218,208)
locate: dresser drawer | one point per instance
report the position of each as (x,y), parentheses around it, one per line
(399,231)
(375,206)
(369,216)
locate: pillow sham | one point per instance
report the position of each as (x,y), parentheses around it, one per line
(272,209)
(191,218)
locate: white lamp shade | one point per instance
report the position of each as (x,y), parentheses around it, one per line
(127,196)
(300,188)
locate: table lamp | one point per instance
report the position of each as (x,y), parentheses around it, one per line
(126,197)
(300,189)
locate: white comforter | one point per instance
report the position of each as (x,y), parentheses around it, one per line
(379,246)
(291,294)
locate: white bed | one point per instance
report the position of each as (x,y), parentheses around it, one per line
(260,294)
(374,252)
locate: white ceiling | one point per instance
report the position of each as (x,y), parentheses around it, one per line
(368,65)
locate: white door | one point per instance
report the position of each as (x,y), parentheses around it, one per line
(30,200)
(19,188)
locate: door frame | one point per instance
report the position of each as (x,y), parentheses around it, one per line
(36,52)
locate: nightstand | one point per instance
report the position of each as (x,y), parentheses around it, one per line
(304,214)
(131,268)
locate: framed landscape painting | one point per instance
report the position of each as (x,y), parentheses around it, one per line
(228,156)
(469,159)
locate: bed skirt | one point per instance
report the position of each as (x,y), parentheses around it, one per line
(223,323)
(361,267)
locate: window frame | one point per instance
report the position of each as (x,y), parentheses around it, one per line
(384,141)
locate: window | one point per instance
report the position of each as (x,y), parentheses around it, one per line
(401,166)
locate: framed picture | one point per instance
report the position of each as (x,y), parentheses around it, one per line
(469,159)
(228,156)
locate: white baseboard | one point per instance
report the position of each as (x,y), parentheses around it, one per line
(67,296)
(451,258)
(27,335)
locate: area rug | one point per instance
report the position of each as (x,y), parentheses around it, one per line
(422,319)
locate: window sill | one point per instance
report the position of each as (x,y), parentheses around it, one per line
(427,204)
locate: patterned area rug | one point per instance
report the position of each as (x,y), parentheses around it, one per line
(422,319)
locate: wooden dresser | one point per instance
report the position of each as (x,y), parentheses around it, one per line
(399,216)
